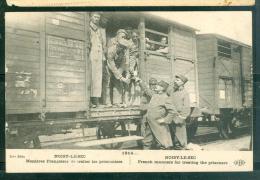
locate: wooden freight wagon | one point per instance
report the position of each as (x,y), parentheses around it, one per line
(225,79)
(48,72)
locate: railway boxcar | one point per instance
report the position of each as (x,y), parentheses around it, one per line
(48,72)
(225,80)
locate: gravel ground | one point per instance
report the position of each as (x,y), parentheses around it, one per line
(228,145)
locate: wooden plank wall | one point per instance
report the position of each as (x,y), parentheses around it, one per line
(184,48)
(158,67)
(205,55)
(230,68)
(223,68)
(247,62)
(66,24)
(65,62)
(237,90)
(187,69)
(22,58)
(183,44)
(247,73)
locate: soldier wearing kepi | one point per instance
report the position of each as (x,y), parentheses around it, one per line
(158,108)
(118,68)
(179,97)
(97,56)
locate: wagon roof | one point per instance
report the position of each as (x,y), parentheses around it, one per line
(219,36)
(160,20)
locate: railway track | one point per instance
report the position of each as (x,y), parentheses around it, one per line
(210,135)
(205,135)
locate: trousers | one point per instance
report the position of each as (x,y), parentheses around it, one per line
(149,139)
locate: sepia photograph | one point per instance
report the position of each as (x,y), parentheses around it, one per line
(152,80)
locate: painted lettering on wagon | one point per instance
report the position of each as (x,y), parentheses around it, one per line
(65,48)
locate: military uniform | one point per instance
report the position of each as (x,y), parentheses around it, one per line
(158,108)
(133,55)
(117,68)
(145,99)
(97,56)
(132,96)
(180,99)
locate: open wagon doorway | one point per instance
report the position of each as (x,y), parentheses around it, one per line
(115,124)
(119,20)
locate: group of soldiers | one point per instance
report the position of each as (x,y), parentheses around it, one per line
(165,114)
(114,67)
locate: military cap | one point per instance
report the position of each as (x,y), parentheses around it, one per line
(121,31)
(182,77)
(163,84)
(152,81)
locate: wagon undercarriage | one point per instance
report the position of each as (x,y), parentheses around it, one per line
(106,127)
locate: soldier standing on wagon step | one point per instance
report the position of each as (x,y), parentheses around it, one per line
(133,98)
(97,57)
(179,97)
(118,76)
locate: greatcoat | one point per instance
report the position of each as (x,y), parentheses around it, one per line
(97,58)
(181,101)
(160,107)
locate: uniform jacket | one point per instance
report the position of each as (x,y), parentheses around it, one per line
(180,99)
(159,107)
(133,55)
(117,60)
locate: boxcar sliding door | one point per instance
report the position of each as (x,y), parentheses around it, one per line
(65,61)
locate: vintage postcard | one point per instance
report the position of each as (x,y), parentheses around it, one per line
(128,91)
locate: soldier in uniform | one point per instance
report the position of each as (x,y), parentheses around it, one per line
(179,97)
(97,57)
(118,68)
(158,108)
(132,96)
(152,85)
(145,99)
